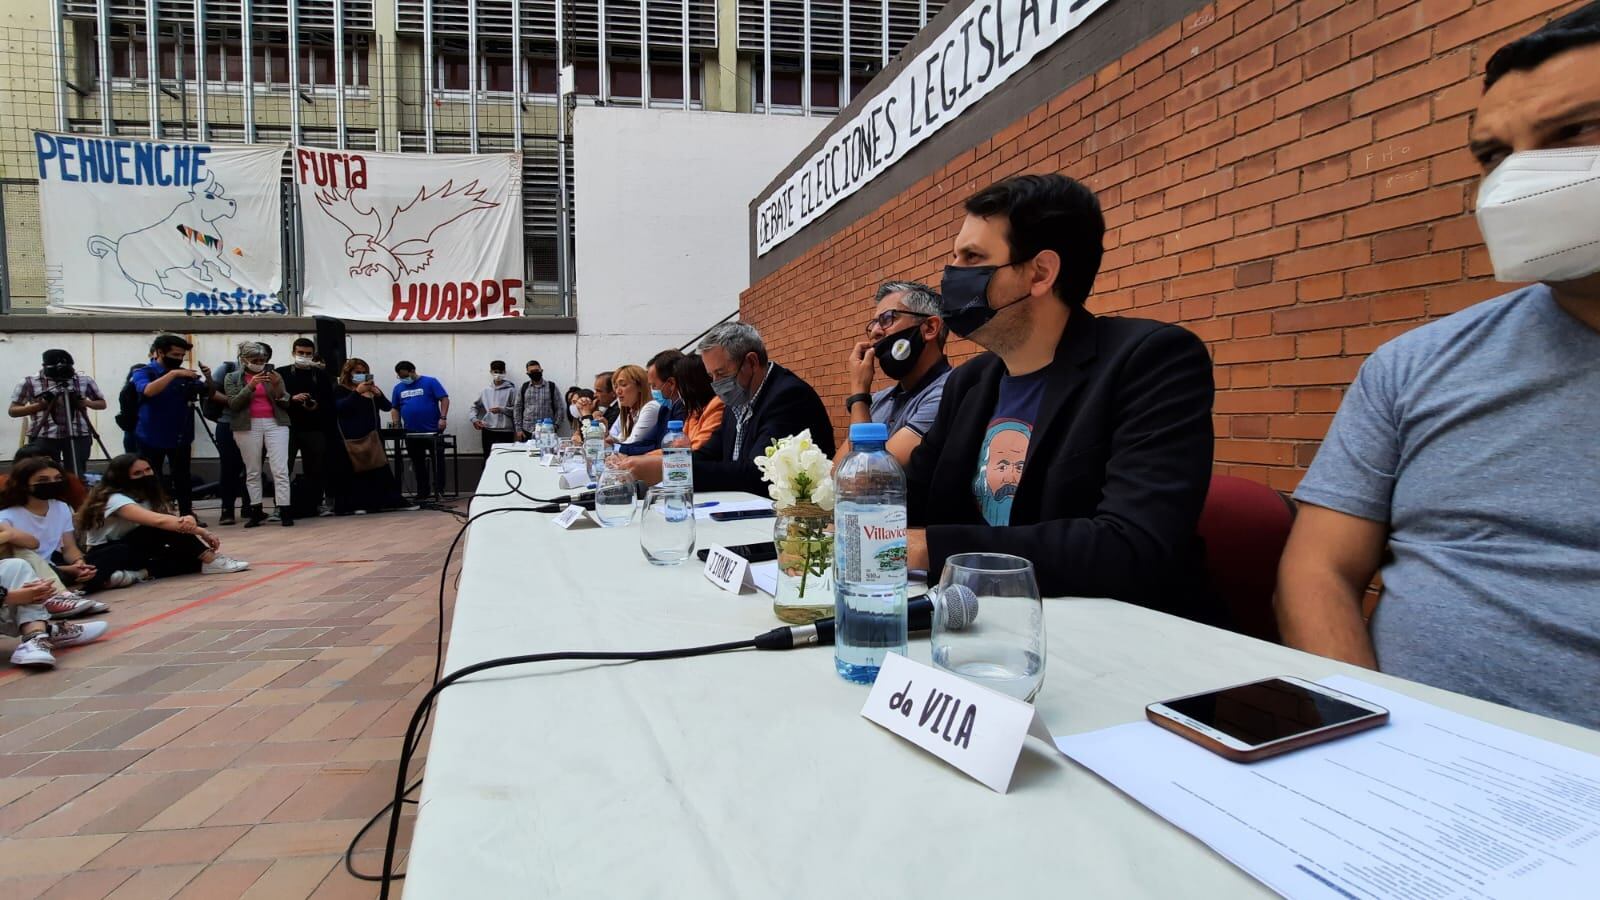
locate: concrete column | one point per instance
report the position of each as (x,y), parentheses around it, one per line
(723,94)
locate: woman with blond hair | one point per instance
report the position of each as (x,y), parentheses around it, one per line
(642,422)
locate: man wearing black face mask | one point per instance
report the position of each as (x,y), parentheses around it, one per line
(1080,442)
(57,398)
(166,425)
(905,338)
(537,400)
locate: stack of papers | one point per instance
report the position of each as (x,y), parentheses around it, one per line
(1433,805)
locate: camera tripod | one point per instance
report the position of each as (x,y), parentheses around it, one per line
(73,417)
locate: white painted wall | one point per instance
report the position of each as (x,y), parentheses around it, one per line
(663,211)
(460,361)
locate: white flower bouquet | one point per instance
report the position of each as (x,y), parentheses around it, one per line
(800,482)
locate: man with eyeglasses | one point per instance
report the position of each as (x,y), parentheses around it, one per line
(905,338)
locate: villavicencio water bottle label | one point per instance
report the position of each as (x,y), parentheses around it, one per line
(874,544)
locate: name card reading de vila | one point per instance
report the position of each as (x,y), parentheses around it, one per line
(971,727)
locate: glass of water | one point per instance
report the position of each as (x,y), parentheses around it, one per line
(995,635)
(666,532)
(613,498)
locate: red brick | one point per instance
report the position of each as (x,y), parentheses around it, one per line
(1404,305)
(1441,203)
(1211,282)
(1329,258)
(1257,350)
(1484,20)
(1318,400)
(1406,273)
(1254,401)
(1314,371)
(1300,427)
(1330,143)
(1403,180)
(1433,140)
(1351,194)
(1258,193)
(1247,426)
(1251,274)
(1401,118)
(1255,246)
(1365,340)
(1252,325)
(1451,298)
(1266,296)
(1321,315)
(1320,287)
(1402,54)
(1414,82)
(1458,232)
(1255,452)
(1317,232)
(1257,38)
(1399,244)
(1275,135)
(1315,344)
(1340,81)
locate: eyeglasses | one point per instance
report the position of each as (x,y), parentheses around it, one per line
(883,320)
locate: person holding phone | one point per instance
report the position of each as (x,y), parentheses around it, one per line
(358,403)
(259,408)
(164,429)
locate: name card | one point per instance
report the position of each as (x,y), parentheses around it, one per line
(971,727)
(548,459)
(573,477)
(725,569)
(573,517)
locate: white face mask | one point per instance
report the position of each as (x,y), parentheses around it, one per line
(255,367)
(303,361)
(498,377)
(1539,211)
(573,408)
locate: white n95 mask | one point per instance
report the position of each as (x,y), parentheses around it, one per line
(1539,211)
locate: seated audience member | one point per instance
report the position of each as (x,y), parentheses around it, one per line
(905,338)
(763,402)
(1080,442)
(75,491)
(131,534)
(492,412)
(359,402)
(57,400)
(536,401)
(42,523)
(642,422)
(22,614)
(1462,465)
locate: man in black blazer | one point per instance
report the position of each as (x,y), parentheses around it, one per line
(1082,443)
(764,402)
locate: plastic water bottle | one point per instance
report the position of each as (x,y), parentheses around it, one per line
(677,462)
(869,525)
(594,448)
(547,436)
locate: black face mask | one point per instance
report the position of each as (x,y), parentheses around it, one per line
(898,353)
(964,298)
(535,375)
(172,362)
(146,485)
(60,371)
(49,490)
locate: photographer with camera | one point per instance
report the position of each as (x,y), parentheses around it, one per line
(57,399)
(259,409)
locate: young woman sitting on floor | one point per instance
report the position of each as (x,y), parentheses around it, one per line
(132,535)
(22,614)
(38,529)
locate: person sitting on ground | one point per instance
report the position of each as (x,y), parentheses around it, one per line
(31,504)
(131,534)
(359,401)
(22,614)
(63,602)
(641,424)
(1461,464)
(258,405)
(76,491)
(913,355)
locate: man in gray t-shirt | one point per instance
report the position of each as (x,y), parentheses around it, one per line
(1465,458)
(905,340)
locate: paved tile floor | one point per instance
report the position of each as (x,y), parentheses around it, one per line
(232,732)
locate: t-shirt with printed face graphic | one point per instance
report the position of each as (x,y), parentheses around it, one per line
(1004,454)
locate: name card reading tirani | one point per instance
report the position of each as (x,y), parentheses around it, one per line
(726,569)
(971,727)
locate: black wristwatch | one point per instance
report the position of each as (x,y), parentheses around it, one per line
(853,399)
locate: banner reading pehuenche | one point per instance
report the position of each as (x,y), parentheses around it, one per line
(989,41)
(406,237)
(143,226)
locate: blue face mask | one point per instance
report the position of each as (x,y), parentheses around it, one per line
(658,397)
(408,379)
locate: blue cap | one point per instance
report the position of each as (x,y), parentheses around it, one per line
(869,432)
(674,424)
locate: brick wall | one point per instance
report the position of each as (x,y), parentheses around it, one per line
(1286,178)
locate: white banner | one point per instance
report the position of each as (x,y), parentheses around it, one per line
(408,237)
(145,226)
(990,41)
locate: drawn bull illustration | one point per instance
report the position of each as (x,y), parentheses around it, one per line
(188,238)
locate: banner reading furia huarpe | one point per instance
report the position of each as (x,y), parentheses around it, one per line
(409,237)
(989,41)
(151,226)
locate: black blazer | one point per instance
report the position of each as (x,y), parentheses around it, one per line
(1118,467)
(785,406)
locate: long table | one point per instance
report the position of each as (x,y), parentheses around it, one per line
(752,774)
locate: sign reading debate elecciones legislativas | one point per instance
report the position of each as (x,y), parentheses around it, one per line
(409,237)
(989,41)
(136,226)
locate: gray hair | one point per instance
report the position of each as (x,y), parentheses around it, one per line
(736,339)
(919,298)
(248,349)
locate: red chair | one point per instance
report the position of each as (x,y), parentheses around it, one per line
(1245,525)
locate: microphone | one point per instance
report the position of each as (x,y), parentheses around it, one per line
(957,604)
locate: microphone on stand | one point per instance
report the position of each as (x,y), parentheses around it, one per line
(957,604)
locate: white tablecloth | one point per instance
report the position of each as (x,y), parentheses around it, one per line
(752,774)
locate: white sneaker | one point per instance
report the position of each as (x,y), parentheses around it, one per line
(34,652)
(126,578)
(223,565)
(71,634)
(71,605)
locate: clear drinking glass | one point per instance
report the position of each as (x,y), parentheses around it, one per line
(996,637)
(666,529)
(614,497)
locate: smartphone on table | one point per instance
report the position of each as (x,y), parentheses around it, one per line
(765,552)
(1261,719)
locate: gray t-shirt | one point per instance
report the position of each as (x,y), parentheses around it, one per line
(1477,439)
(916,411)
